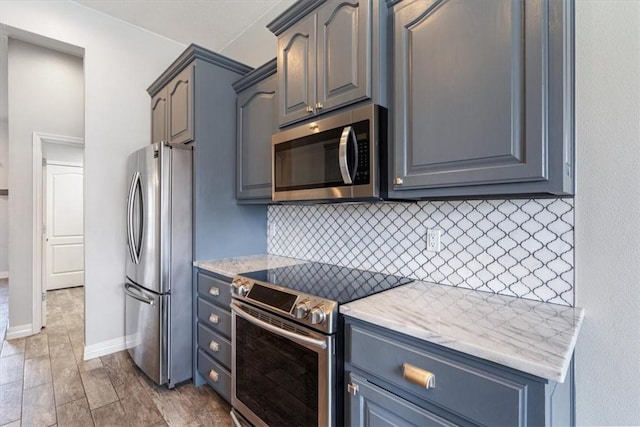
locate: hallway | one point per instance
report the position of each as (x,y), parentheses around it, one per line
(45,382)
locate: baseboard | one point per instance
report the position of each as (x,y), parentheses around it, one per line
(4,274)
(19,331)
(103,348)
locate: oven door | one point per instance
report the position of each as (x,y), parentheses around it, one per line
(282,373)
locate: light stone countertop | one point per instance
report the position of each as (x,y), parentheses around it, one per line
(229,267)
(531,336)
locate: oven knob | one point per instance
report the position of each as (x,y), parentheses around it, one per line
(317,315)
(301,310)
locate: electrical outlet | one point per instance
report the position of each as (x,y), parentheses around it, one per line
(433,240)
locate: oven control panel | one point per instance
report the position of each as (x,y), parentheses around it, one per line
(318,313)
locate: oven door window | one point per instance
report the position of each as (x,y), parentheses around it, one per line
(276,378)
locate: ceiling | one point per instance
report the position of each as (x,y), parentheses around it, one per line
(213,24)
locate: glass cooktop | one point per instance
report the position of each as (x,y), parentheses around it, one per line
(340,284)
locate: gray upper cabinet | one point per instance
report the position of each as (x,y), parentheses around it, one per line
(159,117)
(172,115)
(256,122)
(180,103)
(330,54)
(482,98)
(297,78)
(344,53)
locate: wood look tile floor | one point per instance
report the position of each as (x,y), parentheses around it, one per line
(45,382)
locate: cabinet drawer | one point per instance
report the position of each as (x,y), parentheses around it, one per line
(217,376)
(215,345)
(215,317)
(215,290)
(374,406)
(481,395)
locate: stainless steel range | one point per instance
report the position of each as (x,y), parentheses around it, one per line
(287,341)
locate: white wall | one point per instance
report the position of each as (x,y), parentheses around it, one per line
(63,153)
(120,61)
(257,45)
(45,95)
(607,230)
(4,158)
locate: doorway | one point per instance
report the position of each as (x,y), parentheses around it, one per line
(58,177)
(63,259)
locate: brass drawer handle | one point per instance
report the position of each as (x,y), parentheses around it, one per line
(213,319)
(214,291)
(213,376)
(418,376)
(214,346)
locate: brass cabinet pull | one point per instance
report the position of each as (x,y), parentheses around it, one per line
(214,291)
(214,346)
(398,181)
(418,376)
(213,319)
(309,109)
(213,375)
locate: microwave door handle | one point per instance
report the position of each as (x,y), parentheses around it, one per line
(343,158)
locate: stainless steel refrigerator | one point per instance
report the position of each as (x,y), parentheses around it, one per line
(157,285)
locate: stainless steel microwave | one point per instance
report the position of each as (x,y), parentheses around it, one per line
(341,157)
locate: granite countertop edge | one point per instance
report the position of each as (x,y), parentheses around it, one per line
(229,267)
(469,338)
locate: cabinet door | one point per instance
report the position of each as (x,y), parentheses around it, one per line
(371,406)
(469,88)
(296,71)
(256,123)
(180,101)
(159,117)
(344,53)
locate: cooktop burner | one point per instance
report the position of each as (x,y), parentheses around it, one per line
(340,284)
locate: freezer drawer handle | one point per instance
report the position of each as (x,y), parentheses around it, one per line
(214,346)
(213,319)
(213,375)
(141,298)
(214,291)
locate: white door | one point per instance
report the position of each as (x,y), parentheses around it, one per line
(64,247)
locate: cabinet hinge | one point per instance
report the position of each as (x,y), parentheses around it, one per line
(44,296)
(352,389)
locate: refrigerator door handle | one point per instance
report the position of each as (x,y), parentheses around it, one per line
(128,290)
(130,218)
(134,247)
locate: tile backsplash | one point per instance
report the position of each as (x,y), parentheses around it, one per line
(519,247)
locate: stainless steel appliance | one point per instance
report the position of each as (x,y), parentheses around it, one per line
(341,157)
(287,341)
(157,285)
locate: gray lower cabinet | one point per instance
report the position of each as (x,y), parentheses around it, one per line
(330,54)
(483,95)
(256,122)
(172,108)
(387,375)
(212,326)
(370,405)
